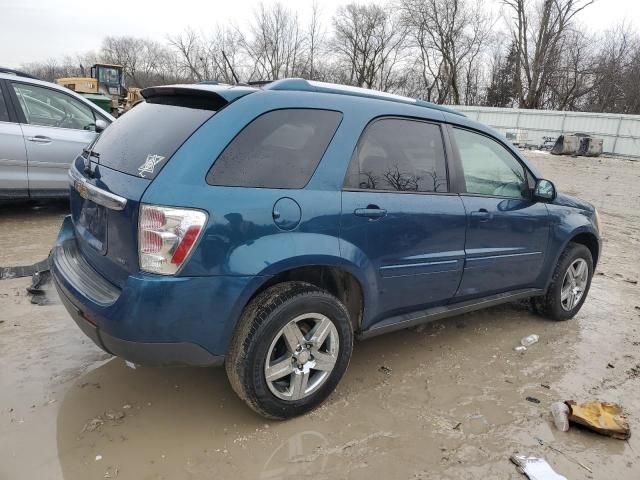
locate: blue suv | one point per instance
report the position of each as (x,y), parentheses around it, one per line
(267,228)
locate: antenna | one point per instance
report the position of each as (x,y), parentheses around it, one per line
(235,77)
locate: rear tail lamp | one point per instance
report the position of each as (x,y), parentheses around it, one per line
(166,237)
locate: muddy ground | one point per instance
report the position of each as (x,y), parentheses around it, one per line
(447,401)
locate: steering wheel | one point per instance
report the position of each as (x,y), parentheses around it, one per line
(62,121)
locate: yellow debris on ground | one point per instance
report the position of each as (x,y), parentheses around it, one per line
(602,417)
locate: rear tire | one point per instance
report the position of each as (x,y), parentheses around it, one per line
(290,350)
(569,285)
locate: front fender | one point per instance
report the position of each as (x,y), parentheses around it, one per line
(567,223)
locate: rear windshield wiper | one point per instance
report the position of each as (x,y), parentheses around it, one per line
(90,153)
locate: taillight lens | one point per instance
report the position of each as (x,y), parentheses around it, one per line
(166,237)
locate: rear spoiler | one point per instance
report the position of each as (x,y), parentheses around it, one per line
(201,96)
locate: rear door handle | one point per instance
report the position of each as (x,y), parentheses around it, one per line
(372,211)
(482,215)
(39,139)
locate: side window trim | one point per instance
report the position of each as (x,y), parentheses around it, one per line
(451,190)
(15,111)
(457,160)
(4,96)
(21,114)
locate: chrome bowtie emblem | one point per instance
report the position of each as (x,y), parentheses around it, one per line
(149,164)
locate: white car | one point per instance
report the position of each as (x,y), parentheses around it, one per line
(43,128)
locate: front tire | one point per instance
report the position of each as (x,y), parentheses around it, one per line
(569,285)
(290,350)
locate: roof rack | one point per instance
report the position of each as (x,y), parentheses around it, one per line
(17,73)
(302,85)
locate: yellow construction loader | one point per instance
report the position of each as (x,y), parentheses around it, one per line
(105,87)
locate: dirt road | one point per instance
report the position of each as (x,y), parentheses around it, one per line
(445,402)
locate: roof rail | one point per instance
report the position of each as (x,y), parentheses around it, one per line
(17,73)
(302,85)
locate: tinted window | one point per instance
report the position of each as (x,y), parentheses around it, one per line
(50,108)
(489,168)
(280,149)
(142,140)
(400,155)
(4,114)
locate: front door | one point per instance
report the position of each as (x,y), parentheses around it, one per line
(398,222)
(507,231)
(57,128)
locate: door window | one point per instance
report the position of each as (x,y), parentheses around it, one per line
(49,108)
(280,149)
(489,168)
(4,113)
(399,155)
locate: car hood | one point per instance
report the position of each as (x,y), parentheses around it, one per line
(574,202)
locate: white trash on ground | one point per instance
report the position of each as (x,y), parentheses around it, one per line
(535,468)
(529,340)
(560,412)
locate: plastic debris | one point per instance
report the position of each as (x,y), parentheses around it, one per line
(93,424)
(602,417)
(114,415)
(560,412)
(520,349)
(535,468)
(98,457)
(529,340)
(130,364)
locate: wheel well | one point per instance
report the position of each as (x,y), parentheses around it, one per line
(590,241)
(339,283)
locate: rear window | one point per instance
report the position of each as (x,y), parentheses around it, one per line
(279,149)
(144,139)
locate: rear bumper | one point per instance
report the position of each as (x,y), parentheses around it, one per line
(152,354)
(152,319)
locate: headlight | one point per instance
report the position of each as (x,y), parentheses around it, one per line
(596,219)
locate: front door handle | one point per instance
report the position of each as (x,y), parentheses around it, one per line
(372,211)
(39,139)
(482,215)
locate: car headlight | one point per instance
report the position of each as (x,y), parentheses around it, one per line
(596,219)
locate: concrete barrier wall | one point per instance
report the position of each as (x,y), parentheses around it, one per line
(621,133)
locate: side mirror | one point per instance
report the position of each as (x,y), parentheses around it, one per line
(101,125)
(545,190)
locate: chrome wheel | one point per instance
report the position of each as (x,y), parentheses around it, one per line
(301,356)
(574,283)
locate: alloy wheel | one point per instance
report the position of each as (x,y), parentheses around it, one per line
(302,356)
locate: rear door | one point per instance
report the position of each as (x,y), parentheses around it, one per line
(507,231)
(398,214)
(13,155)
(56,128)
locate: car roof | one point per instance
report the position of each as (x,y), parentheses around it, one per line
(302,85)
(54,86)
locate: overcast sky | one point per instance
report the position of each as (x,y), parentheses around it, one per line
(35,30)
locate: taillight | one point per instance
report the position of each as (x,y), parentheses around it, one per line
(166,236)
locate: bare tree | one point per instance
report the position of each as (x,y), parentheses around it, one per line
(274,44)
(538,31)
(450,36)
(368,42)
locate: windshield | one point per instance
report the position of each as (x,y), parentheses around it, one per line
(142,140)
(108,75)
